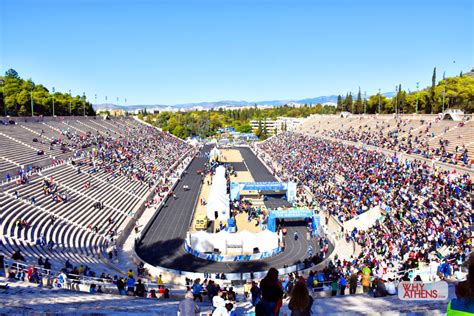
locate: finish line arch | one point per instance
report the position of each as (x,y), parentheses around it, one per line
(293,213)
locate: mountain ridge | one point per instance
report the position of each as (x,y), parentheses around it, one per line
(229,103)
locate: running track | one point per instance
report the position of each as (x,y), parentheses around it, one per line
(162,243)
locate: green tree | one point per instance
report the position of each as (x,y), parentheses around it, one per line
(358,103)
(11,73)
(340,105)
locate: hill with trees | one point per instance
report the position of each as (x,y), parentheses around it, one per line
(457,92)
(206,123)
(17,94)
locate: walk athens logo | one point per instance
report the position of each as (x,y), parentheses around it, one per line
(420,291)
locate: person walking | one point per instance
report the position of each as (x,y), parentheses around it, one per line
(300,302)
(196,290)
(188,307)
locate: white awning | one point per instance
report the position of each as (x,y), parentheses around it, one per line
(218,200)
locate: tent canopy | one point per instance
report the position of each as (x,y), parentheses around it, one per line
(218,198)
(203,242)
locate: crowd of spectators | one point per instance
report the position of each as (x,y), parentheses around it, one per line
(139,153)
(403,135)
(427,211)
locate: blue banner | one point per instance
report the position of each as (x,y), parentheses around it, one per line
(288,188)
(293,213)
(239,258)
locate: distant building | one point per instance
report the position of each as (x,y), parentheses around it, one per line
(470,73)
(279,125)
(117,112)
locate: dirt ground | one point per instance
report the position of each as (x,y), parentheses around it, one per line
(228,155)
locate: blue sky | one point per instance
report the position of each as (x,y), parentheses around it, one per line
(168,52)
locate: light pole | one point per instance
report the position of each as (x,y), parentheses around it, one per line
(95,97)
(70,97)
(379,103)
(417,85)
(3,97)
(84,102)
(53,101)
(31,100)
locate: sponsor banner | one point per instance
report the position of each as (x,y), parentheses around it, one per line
(292,213)
(238,258)
(421,291)
(283,187)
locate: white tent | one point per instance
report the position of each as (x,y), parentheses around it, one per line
(202,242)
(205,242)
(214,154)
(267,240)
(218,202)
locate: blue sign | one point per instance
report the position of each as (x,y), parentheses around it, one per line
(289,188)
(293,213)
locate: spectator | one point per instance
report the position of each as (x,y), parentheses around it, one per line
(301,302)
(353,283)
(197,289)
(391,288)
(343,283)
(62,280)
(272,292)
(463,304)
(159,280)
(256,293)
(379,288)
(188,307)
(121,286)
(218,301)
(131,285)
(18,256)
(365,283)
(231,296)
(334,286)
(140,289)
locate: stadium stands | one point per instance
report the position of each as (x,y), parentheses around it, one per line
(426,135)
(425,210)
(73,201)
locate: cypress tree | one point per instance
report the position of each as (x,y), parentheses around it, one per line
(339,104)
